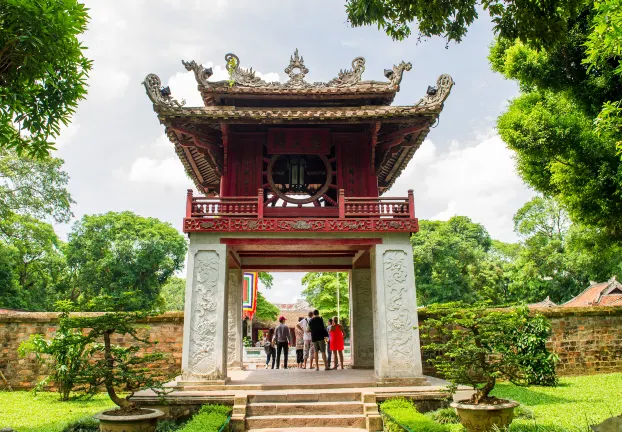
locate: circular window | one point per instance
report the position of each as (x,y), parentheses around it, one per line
(299,179)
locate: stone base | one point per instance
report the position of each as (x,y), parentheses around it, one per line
(402,382)
(203,382)
(361,367)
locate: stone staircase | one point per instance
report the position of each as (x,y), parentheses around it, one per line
(305,409)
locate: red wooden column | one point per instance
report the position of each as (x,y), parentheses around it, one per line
(189,204)
(342,205)
(260,203)
(411,203)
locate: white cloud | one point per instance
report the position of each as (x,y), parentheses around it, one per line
(184,85)
(67,134)
(107,84)
(168,172)
(478,181)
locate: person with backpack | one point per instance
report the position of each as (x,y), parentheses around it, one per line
(318,337)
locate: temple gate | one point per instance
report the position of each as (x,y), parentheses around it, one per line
(291,177)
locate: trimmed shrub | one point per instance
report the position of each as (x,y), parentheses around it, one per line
(210,418)
(400,414)
(86,424)
(444,416)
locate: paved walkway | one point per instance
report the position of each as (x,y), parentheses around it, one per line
(302,377)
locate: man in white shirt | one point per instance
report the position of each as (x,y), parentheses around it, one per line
(308,346)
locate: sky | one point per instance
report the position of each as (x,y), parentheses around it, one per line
(118,158)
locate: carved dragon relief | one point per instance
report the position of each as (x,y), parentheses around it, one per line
(160,96)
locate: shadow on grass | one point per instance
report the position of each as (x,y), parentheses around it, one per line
(529,396)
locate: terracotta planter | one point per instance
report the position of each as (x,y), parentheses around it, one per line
(483,418)
(129,423)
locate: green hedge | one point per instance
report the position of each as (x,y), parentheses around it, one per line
(210,418)
(401,415)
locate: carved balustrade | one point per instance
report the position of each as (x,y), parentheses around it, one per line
(250,213)
(349,207)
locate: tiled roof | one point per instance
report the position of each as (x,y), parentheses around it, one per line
(546,303)
(600,294)
(271,115)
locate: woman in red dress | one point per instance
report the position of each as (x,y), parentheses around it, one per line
(336,341)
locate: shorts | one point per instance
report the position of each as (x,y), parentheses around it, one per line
(308,349)
(319,346)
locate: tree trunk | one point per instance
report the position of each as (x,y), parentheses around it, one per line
(108,381)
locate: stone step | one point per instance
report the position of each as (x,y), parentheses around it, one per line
(299,421)
(312,396)
(300,408)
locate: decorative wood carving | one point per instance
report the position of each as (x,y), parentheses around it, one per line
(298,141)
(300,225)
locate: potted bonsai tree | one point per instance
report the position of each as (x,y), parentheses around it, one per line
(121,369)
(476,346)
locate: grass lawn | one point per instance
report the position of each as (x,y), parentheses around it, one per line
(25,412)
(571,407)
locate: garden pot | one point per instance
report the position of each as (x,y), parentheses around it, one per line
(484,418)
(129,423)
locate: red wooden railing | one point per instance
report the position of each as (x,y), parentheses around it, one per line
(239,207)
(372,207)
(253,207)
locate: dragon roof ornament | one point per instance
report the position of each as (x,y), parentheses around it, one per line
(435,96)
(159,95)
(296,70)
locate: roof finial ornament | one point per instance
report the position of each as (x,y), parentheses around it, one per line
(395,75)
(348,77)
(159,95)
(241,76)
(296,71)
(437,95)
(201,74)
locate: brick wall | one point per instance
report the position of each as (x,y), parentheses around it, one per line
(587,340)
(16,327)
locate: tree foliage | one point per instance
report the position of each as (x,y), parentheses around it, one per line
(476,346)
(173,294)
(540,23)
(122,255)
(113,367)
(266,311)
(34,187)
(43,71)
(65,355)
(38,267)
(448,257)
(559,151)
(457,261)
(321,293)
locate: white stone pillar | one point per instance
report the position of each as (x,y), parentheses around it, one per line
(205,324)
(396,339)
(234,318)
(362,324)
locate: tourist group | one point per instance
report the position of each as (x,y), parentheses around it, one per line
(313,337)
